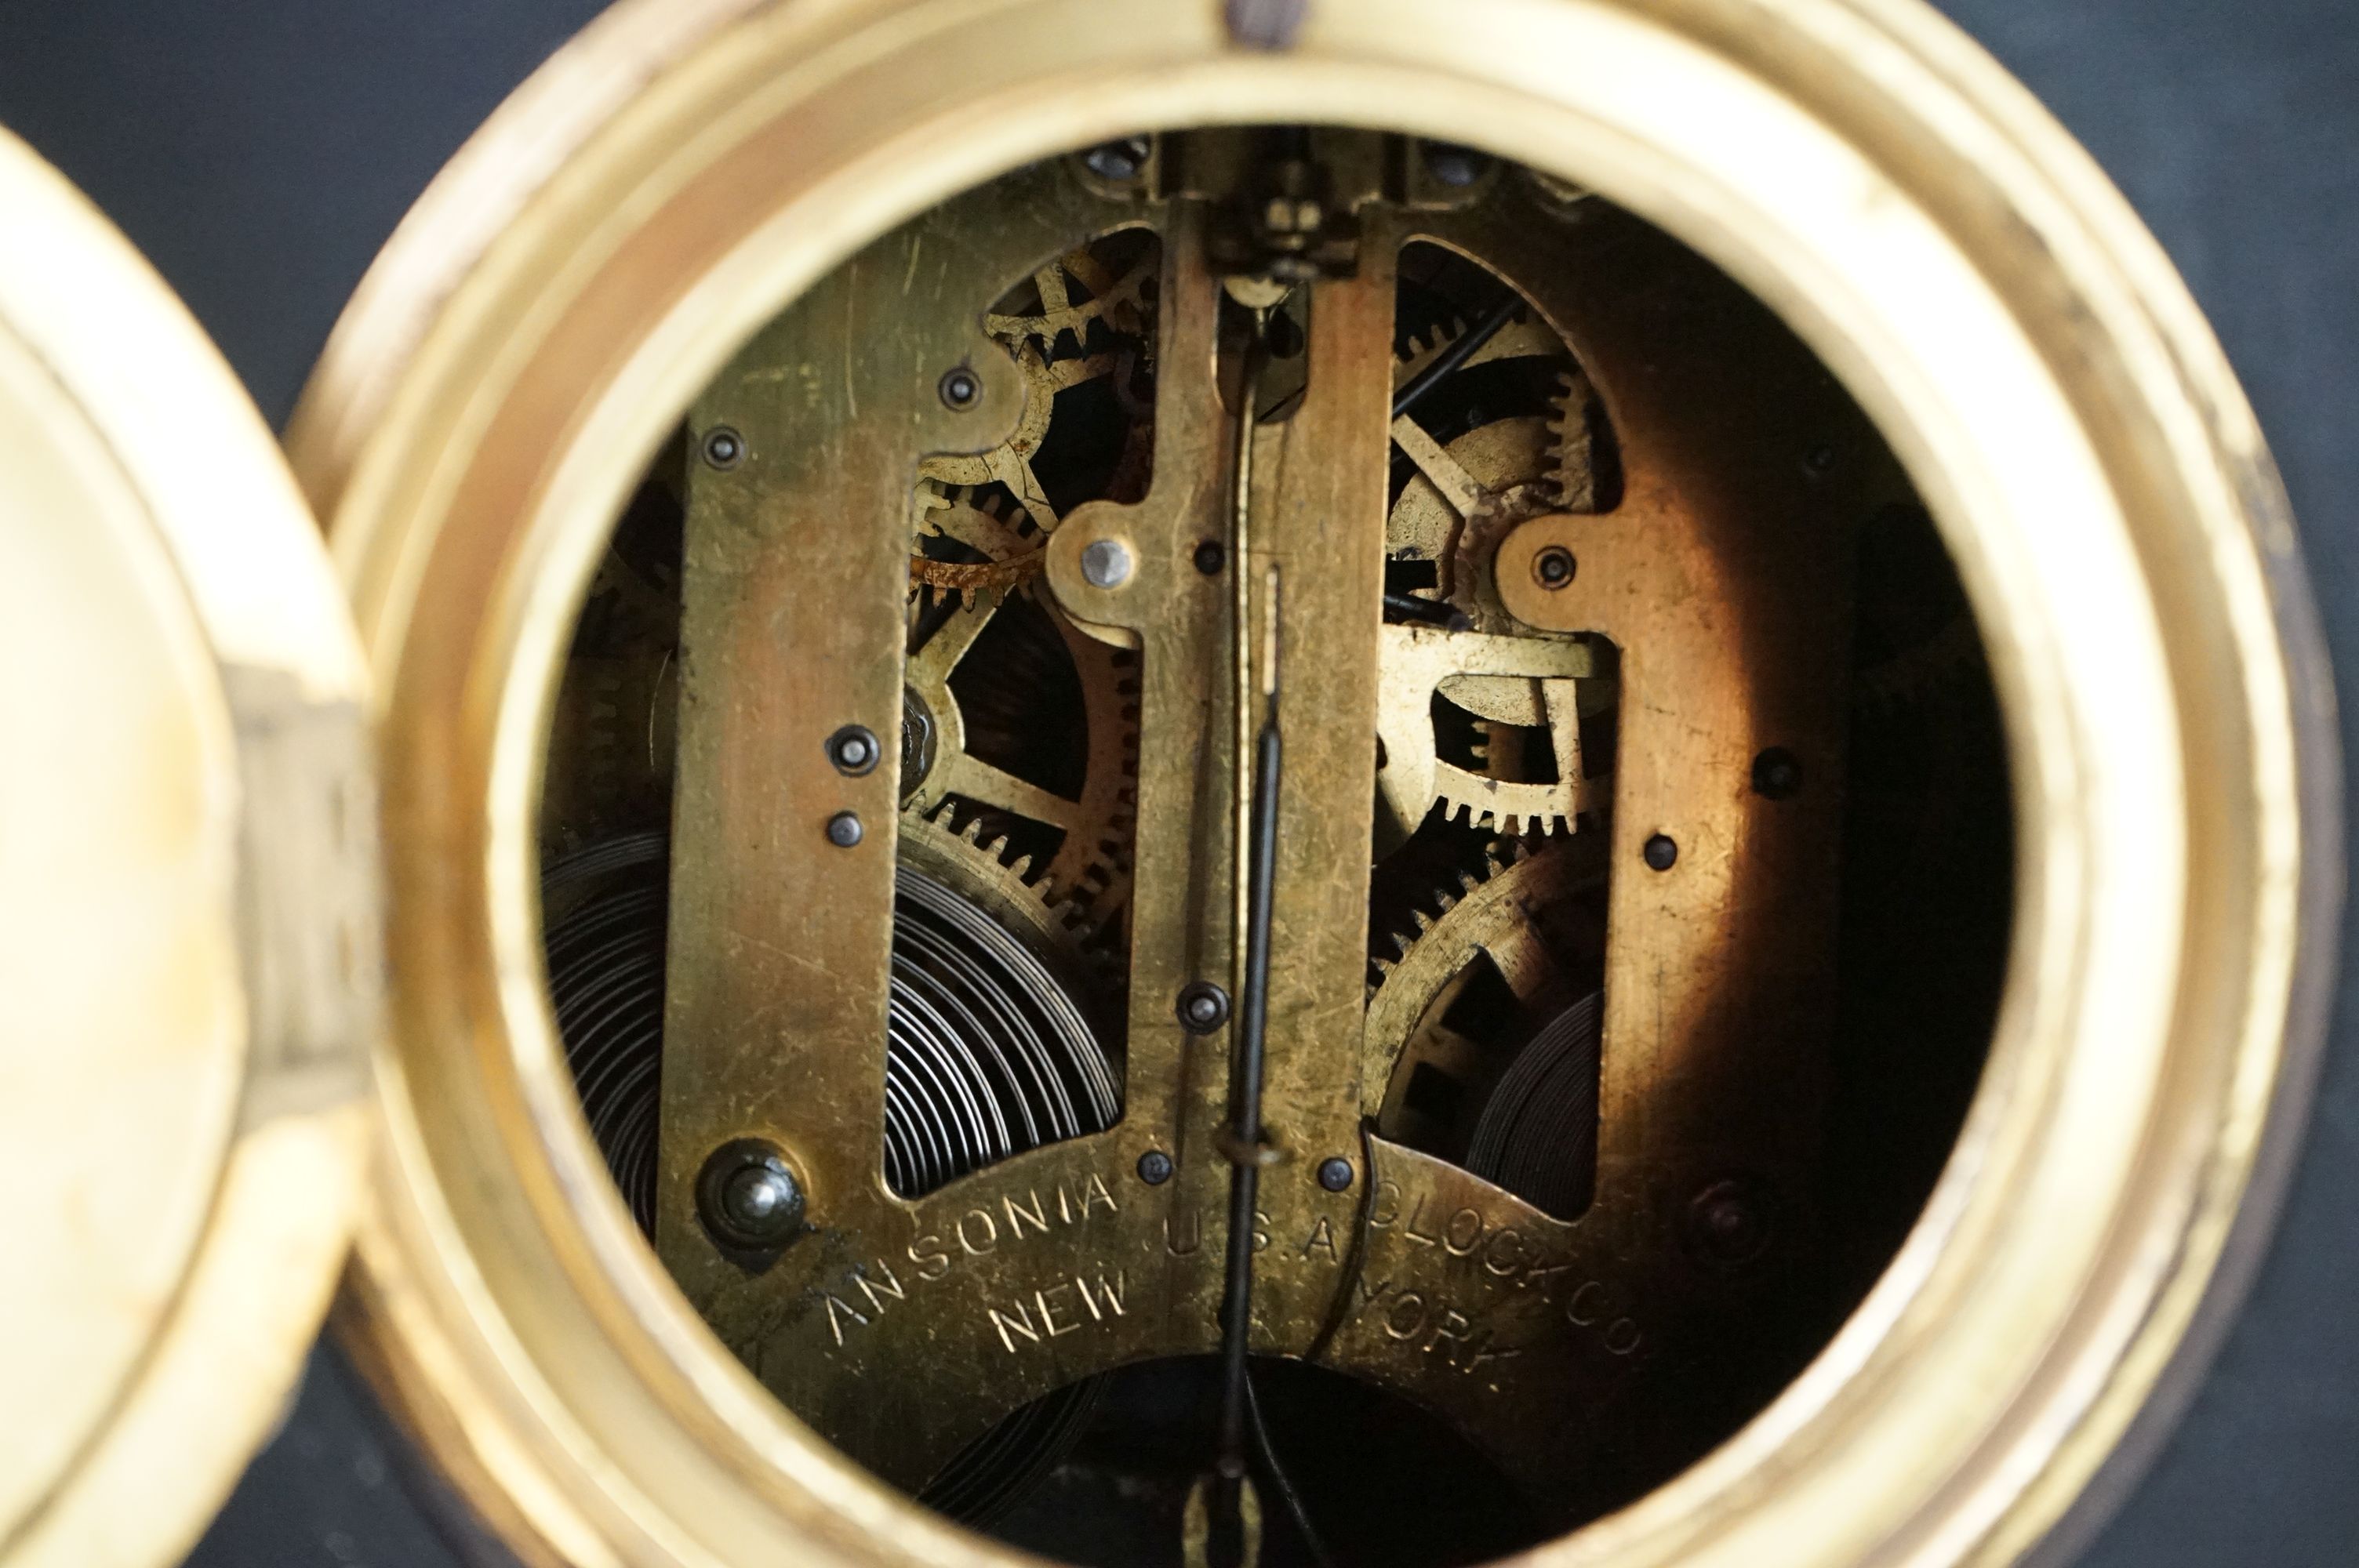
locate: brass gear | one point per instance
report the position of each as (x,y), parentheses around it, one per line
(1527,913)
(1010,462)
(1091,863)
(1573,455)
(1002,886)
(982,522)
(1498,474)
(1114,292)
(1526,337)
(993,513)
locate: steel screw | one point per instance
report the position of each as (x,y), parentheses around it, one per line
(748,1196)
(1105,563)
(1203,1006)
(1122,159)
(1155,1167)
(1553,567)
(1266,24)
(854,750)
(843,830)
(755,1197)
(1728,1223)
(1661,853)
(1818,460)
(724,447)
(1455,166)
(1210,557)
(961,389)
(1336,1174)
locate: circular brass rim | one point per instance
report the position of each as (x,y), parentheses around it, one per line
(203,1164)
(671,179)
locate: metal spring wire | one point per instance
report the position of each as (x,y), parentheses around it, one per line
(1537,1135)
(986,1055)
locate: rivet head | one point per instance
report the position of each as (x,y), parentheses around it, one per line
(1105,563)
(1553,567)
(961,389)
(854,750)
(1455,165)
(1155,1167)
(1730,1223)
(755,1198)
(748,1196)
(1661,852)
(1202,1008)
(1121,160)
(843,830)
(1336,1174)
(724,447)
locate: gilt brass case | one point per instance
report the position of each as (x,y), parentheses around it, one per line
(188,903)
(665,215)
(674,179)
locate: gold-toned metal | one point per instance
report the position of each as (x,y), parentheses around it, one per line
(188,897)
(776,1020)
(1853,163)
(1509,917)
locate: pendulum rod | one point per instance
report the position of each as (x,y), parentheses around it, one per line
(1257,762)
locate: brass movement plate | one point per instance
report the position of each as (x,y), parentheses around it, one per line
(904,1328)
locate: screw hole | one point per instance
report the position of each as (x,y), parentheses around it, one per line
(1776,775)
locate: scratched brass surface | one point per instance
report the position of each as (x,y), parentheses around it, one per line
(903,1328)
(1862,171)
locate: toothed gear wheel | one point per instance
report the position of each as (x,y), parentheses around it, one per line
(1573,455)
(981,525)
(984,872)
(1010,462)
(1119,293)
(1487,797)
(1526,337)
(611,733)
(959,524)
(1522,769)
(1506,464)
(1089,866)
(1517,940)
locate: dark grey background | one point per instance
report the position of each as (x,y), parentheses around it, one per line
(261,151)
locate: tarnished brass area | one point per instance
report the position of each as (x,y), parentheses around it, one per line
(864,499)
(797,568)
